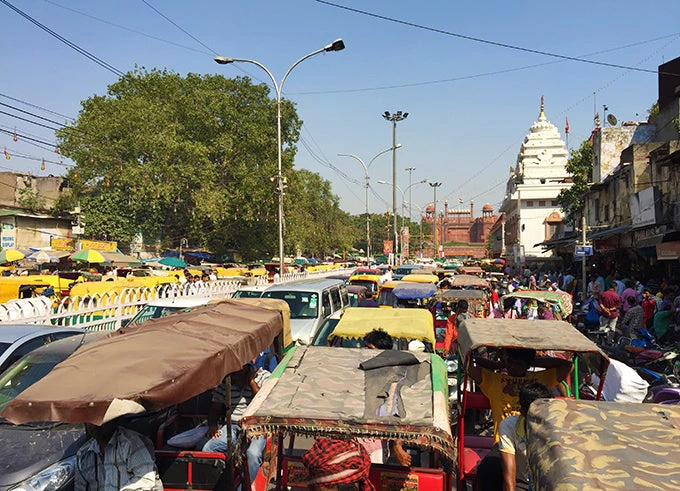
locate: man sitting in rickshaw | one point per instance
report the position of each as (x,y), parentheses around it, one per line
(336,465)
(501,381)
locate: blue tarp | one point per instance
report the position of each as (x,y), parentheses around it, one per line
(414,291)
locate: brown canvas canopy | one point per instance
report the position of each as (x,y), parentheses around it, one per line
(460,294)
(157,364)
(468,280)
(521,333)
(603,445)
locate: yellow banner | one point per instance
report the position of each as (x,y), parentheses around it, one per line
(62,244)
(98,245)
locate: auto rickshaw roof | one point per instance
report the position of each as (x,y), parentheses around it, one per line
(561,299)
(521,333)
(414,291)
(468,280)
(459,294)
(574,444)
(409,324)
(472,270)
(155,365)
(421,278)
(321,392)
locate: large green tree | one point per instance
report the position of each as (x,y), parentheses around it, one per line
(580,167)
(171,157)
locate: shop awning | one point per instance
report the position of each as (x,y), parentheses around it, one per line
(609,232)
(559,242)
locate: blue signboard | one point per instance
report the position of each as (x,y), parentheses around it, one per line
(583,251)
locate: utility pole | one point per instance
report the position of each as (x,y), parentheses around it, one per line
(434,186)
(394,119)
(583,259)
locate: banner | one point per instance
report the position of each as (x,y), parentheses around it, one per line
(388,247)
(99,245)
(62,244)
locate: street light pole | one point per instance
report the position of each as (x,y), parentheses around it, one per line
(434,186)
(337,45)
(410,172)
(394,119)
(366,177)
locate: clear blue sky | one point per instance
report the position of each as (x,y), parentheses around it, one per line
(465,133)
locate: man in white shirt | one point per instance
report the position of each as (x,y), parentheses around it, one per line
(513,441)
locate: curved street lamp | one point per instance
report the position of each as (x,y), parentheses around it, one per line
(366,177)
(337,45)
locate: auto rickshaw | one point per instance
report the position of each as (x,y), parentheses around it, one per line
(291,409)
(469,281)
(413,295)
(491,335)
(370,281)
(421,278)
(14,287)
(386,297)
(603,445)
(478,306)
(559,302)
(404,325)
(169,363)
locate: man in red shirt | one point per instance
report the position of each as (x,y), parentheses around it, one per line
(649,308)
(610,303)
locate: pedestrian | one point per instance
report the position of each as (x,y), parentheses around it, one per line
(594,287)
(633,319)
(649,307)
(610,303)
(627,293)
(115,458)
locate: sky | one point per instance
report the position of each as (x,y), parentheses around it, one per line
(470,101)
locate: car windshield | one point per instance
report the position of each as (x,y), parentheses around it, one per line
(303,305)
(25,372)
(321,339)
(4,346)
(247,294)
(353,299)
(154,312)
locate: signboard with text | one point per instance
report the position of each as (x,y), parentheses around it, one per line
(99,245)
(62,244)
(583,251)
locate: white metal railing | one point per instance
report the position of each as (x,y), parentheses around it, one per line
(107,311)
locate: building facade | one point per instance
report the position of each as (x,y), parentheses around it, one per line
(532,214)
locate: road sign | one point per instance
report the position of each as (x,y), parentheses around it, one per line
(583,251)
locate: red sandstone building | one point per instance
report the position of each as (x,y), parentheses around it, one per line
(459,227)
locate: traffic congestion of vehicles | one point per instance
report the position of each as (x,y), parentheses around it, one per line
(437,432)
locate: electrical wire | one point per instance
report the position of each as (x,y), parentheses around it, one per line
(34,106)
(68,43)
(489,42)
(134,31)
(31,114)
(28,120)
(478,75)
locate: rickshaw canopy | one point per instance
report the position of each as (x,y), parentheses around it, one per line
(414,291)
(540,335)
(421,278)
(603,445)
(450,295)
(472,270)
(561,299)
(410,324)
(155,365)
(351,402)
(468,281)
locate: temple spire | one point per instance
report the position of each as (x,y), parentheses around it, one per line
(541,116)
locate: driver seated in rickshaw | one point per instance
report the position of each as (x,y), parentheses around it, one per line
(501,381)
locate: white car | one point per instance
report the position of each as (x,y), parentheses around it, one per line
(250,291)
(166,306)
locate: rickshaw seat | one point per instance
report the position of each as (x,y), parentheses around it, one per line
(190,469)
(472,458)
(478,442)
(477,400)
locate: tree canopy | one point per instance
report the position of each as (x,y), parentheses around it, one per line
(580,166)
(192,157)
